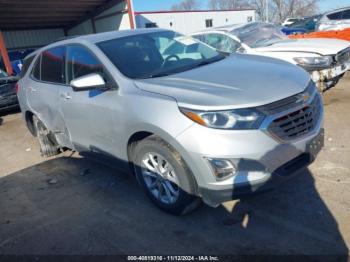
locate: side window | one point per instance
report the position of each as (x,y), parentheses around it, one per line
(346,14)
(335,16)
(221,42)
(36,69)
(81,62)
(52,65)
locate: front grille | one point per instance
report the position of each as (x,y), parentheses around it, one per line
(287,103)
(343,56)
(297,123)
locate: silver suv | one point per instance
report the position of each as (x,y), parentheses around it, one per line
(192,125)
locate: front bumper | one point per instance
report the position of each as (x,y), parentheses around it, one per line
(279,176)
(327,78)
(261,159)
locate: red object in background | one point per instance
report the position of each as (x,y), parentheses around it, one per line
(341,34)
(131,14)
(4,55)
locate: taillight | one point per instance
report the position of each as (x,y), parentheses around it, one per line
(17,88)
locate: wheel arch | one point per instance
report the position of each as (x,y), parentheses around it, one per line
(30,122)
(140,135)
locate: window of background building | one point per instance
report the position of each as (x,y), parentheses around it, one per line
(209,23)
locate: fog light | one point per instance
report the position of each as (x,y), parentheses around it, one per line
(222,168)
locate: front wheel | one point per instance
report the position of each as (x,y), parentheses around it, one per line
(164,176)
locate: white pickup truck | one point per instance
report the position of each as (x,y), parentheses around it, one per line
(325,59)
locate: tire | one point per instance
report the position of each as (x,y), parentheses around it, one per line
(47,143)
(182,198)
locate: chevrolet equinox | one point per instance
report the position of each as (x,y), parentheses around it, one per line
(191,122)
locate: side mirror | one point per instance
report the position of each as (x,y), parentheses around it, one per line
(88,82)
(241,50)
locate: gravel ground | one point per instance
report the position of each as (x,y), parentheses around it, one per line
(72,205)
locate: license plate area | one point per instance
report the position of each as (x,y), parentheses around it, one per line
(316,144)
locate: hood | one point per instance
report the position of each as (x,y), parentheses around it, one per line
(323,46)
(238,81)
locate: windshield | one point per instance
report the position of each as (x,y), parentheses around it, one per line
(259,34)
(157,54)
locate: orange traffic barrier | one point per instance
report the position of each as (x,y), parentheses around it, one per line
(341,34)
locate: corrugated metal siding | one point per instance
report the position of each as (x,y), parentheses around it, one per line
(116,8)
(104,24)
(31,38)
(81,29)
(115,22)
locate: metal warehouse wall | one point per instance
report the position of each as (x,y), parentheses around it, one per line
(189,22)
(115,18)
(31,38)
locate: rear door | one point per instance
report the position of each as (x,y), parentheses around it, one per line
(47,77)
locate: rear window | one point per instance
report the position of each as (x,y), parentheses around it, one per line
(36,69)
(50,66)
(346,14)
(26,64)
(335,16)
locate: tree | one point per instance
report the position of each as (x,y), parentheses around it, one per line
(279,10)
(227,4)
(187,5)
(260,9)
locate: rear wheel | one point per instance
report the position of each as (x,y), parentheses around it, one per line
(164,176)
(47,142)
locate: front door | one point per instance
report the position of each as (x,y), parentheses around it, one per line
(89,115)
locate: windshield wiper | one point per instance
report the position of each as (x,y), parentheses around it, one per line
(158,75)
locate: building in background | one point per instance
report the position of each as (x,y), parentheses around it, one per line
(190,21)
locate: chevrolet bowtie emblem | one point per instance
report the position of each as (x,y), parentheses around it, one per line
(303,98)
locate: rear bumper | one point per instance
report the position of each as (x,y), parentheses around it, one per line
(8,103)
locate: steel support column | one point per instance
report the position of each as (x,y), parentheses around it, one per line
(4,55)
(131,14)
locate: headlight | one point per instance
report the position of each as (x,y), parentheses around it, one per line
(314,62)
(236,119)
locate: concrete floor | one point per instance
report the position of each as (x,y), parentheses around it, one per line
(94,209)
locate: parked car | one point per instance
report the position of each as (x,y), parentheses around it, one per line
(8,97)
(197,126)
(16,58)
(334,20)
(293,31)
(290,21)
(305,25)
(336,34)
(325,59)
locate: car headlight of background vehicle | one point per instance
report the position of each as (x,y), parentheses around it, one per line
(236,119)
(314,62)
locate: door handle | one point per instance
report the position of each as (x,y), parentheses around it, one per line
(66,96)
